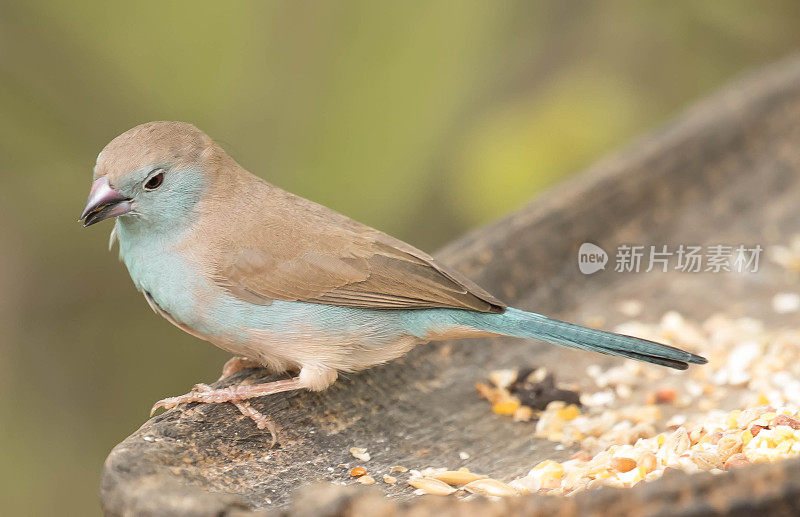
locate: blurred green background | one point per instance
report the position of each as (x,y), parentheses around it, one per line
(421,118)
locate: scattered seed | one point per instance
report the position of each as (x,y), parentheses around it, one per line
(490,393)
(729,445)
(648,462)
(389,479)
(569,412)
(707,460)
(490,487)
(502,379)
(457,477)
(623,464)
(357,472)
(666,396)
(506,407)
(431,486)
(360,453)
(794,423)
(737,460)
(622,443)
(522,414)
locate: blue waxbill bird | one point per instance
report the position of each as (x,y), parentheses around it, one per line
(286,283)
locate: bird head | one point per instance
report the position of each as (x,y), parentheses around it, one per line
(152,175)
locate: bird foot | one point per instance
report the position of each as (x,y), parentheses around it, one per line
(244,407)
(237,395)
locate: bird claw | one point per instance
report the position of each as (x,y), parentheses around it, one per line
(166,403)
(261,420)
(205,393)
(170,402)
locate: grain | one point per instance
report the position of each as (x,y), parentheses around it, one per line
(457,477)
(431,486)
(490,487)
(360,453)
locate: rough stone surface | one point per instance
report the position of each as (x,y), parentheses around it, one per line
(726,172)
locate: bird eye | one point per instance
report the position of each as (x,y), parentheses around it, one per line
(154,182)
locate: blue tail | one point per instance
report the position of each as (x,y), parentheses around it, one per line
(517,323)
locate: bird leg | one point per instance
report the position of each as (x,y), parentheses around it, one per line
(234,364)
(244,407)
(312,378)
(235,393)
(238,395)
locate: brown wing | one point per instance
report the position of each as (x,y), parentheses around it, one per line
(301,251)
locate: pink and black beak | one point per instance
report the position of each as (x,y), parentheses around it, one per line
(104,203)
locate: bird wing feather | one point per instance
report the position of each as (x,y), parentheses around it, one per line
(297,250)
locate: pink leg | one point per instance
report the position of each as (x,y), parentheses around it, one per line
(310,378)
(236,393)
(234,364)
(261,420)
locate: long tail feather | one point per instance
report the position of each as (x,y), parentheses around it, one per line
(518,323)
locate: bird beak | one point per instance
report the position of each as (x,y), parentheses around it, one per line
(104,203)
